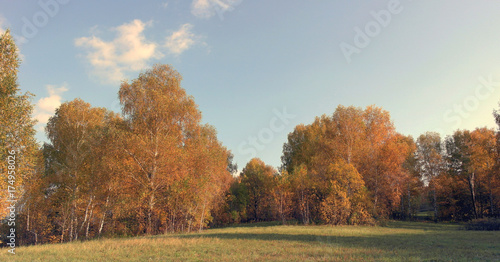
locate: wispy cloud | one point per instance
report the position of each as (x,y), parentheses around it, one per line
(129,51)
(208,8)
(181,40)
(46,106)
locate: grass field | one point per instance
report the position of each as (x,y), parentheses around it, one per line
(397,241)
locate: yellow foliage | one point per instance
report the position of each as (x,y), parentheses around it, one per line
(345,203)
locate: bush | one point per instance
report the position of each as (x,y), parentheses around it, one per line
(490,224)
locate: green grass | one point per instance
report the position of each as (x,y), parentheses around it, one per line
(397,241)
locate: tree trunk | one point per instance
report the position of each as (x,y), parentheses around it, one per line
(375,198)
(202,216)
(86,217)
(28,229)
(103,215)
(492,207)
(473,193)
(71,223)
(304,208)
(150,214)
(63,228)
(281,209)
(28,220)
(409,201)
(88,222)
(307,212)
(434,196)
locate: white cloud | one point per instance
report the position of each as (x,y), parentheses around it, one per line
(181,40)
(112,61)
(164,5)
(46,106)
(128,52)
(208,8)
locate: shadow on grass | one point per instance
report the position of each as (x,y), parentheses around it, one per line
(434,241)
(425,226)
(379,241)
(255,224)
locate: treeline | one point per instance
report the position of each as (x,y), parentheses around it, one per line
(155,169)
(352,167)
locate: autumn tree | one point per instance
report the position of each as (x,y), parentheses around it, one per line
(298,149)
(496,174)
(483,157)
(430,163)
(281,194)
(158,169)
(347,130)
(232,208)
(258,179)
(381,161)
(472,157)
(365,139)
(395,178)
(73,164)
(413,184)
(345,201)
(17,133)
(174,166)
(303,186)
(36,216)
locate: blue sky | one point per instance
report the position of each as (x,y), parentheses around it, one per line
(258,68)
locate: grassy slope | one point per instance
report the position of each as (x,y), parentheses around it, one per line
(399,241)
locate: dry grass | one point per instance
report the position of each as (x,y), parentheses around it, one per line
(398,241)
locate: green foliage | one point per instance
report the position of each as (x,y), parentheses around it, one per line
(258,182)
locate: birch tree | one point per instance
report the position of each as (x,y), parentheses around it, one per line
(17,133)
(174,165)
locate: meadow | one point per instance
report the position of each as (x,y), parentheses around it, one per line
(395,241)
